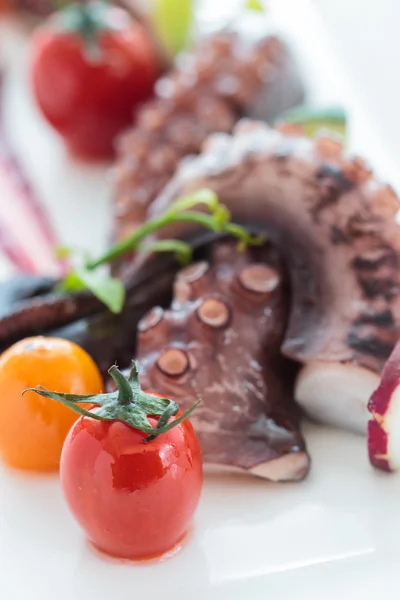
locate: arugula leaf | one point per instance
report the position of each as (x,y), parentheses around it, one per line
(106,288)
(182,250)
(110,291)
(71,283)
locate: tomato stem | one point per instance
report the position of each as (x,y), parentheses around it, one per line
(129,404)
(169,412)
(87,19)
(125,391)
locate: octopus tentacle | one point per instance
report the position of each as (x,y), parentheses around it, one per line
(28,306)
(334,224)
(220,341)
(336,227)
(41,313)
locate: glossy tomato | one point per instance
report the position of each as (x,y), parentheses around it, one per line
(92,65)
(134,499)
(33,429)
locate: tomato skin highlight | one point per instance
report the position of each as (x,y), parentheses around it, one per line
(89,100)
(133,499)
(33,429)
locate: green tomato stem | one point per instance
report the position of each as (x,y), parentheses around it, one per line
(88,20)
(125,392)
(132,406)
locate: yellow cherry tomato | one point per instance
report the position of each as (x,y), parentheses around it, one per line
(33,429)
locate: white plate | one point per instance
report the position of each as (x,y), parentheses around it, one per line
(334,536)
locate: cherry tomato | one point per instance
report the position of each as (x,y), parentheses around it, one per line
(32,428)
(92,65)
(134,499)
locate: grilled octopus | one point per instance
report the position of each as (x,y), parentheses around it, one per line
(220,340)
(335,226)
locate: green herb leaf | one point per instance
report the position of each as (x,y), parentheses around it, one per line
(217,221)
(109,290)
(71,283)
(204,196)
(182,250)
(222,217)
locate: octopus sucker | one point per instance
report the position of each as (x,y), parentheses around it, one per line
(220,341)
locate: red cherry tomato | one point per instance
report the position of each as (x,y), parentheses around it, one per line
(134,499)
(92,65)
